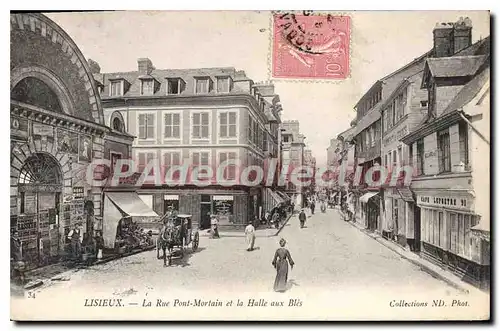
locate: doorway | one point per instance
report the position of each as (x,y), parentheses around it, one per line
(40,187)
(205,210)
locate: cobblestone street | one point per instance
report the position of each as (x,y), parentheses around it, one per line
(338,268)
(328,253)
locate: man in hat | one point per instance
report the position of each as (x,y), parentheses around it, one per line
(302,218)
(76,240)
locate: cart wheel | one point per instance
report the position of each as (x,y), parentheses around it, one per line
(196,241)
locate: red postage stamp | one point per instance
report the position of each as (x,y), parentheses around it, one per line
(310,46)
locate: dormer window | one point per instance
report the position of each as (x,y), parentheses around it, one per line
(202,84)
(116,88)
(147,86)
(175,86)
(223,84)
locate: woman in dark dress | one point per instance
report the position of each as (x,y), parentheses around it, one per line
(280,262)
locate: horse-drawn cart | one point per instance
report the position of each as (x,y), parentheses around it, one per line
(177,233)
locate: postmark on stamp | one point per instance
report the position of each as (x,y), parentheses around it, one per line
(310,46)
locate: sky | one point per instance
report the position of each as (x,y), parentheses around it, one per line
(381,42)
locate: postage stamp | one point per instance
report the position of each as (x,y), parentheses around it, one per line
(310,46)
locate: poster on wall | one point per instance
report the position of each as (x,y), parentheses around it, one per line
(85,148)
(67,142)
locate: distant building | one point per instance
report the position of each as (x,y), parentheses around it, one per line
(199,117)
(293,143)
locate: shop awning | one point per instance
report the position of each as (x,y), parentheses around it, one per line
(116,206)
(406,194)
(367,196)
(130,204)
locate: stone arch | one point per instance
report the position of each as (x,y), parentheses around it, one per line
(50,79)
(20,153)
(43,26)
(117,116)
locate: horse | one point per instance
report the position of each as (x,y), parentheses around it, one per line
(166,241)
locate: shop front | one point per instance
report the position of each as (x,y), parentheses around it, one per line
(447,223)
(122,211)
(399,221)
(370,211)
(233,206)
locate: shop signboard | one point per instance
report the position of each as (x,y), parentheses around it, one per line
(67,142)
(19,127)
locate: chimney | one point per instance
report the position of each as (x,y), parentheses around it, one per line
(94,67)
(443,39)
(144,66)
(462,34)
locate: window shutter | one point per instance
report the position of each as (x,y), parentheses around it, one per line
(204,158)
(205,125)
(223,125)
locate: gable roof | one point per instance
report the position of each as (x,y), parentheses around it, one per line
(455,66)
(469,91)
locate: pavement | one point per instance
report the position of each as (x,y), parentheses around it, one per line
(332,258)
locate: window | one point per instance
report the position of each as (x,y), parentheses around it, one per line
(444,151)
(385,160)
(230,170)
(171,159)
(424,103)
(147,87)
(265,143)
(116,88)
(223,84)
(227,125)
(114,157)
(144,159)
(172,126)
(394,159)
(372,136)
(146,126)
(463,138)
(201,122)
(200,158)
(202,85)
(117,124)
(285,139)
(420,157)
(174,85)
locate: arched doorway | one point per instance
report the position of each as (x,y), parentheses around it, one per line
(40,187)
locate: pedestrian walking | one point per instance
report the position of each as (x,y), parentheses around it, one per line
(214,223)
(313,205)
(302,218)
(280,262)
(250,236)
